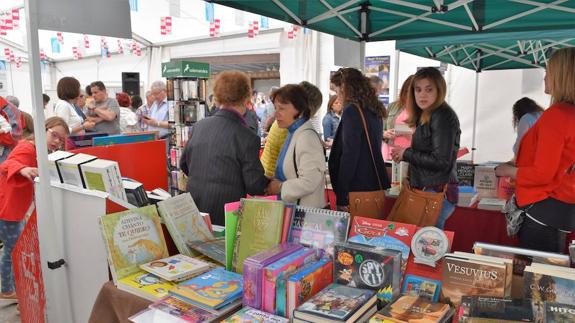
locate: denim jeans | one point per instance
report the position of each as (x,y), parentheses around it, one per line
(446,210)
(9,233)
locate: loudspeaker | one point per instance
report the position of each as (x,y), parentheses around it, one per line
(131,83)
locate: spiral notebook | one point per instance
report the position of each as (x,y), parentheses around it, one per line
(319,228)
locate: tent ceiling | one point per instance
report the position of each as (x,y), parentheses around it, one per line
(377,20)
(492,52)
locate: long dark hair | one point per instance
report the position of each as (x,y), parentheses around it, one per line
(357,90)
(522,107)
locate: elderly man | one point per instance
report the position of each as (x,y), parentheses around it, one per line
(103,111)
(158,117)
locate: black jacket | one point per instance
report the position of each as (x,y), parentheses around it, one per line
(350,164)
(222,162)
(434,148)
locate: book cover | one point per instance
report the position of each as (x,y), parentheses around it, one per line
(485,181)
(385,234)
(175,268)
(254,272)
(423,287)
(132,238)
(492,309)
(337,302)
(559,313)
(104,175)
(146,285)
(508,263)
(465,173)
(414,309)
(214,249)
(307,282)
(184,222)
(470,277)
(248,314)
(280,269)
(213,289)
(319,228)
(259,228)
(231,216)
(367,267)
(178,309)
(541,288)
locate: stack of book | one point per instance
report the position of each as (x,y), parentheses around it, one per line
(338,303)
(176,268)
(491,309)
(408,309)
(548,283)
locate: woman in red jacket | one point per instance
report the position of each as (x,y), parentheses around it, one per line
(17,175)
(545,166)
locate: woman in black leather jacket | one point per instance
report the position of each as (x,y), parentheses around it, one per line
(435,142)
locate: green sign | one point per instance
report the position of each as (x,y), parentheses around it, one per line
(185,69)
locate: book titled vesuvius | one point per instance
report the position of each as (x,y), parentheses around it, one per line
(374,268)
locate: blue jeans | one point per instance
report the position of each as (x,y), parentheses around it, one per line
(9,233)
(446,210)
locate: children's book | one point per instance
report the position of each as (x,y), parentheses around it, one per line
(176,268)
(338,303)
(184,222)
(231,216)
(385,234)
(374,268)
(214,249)
(414,309)
(289,212)
(319,228)
(146,285)
(259,228)
(248,314)
(178,309)
(423,287)
(212,290)
(280,269)
(132,238)
(307,282)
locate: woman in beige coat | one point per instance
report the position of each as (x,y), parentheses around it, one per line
(299,175)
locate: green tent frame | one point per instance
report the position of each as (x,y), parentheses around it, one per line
(377,20)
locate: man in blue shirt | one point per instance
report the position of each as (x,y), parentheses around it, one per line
(158,118)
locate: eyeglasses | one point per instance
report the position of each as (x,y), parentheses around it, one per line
(55,135)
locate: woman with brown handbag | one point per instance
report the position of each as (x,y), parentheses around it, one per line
(356,166)
(434,147)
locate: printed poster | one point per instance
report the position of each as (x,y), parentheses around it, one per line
(379,66)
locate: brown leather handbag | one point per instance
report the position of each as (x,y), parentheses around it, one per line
(368,204)
(417,207)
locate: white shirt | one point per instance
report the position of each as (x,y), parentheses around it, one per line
(66,111)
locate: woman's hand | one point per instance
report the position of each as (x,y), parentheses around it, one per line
(389,134)
(274,187)
(506,170)
(397,154)
(29,172)
(88,125)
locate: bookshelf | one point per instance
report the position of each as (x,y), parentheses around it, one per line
(187,96)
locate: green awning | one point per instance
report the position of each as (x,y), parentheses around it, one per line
(377,20)
(491,51)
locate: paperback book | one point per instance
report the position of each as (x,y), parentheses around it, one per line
(145,285)
(543,284)
(178,310)
(307,282)
(176,268)
(426,288)
(559,313)
(413,309)
(491,309)
(212,290)
(213,249)
(248,314)
(184,222)
(319,228)
(367,267)
(231,216)
(132,238)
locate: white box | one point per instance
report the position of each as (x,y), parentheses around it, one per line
(104,175)
(70,169)
(399,172)
(485,181)
(53,168)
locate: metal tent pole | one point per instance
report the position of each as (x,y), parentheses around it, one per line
(476,98)
(395,77)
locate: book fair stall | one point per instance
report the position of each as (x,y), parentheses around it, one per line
(114,235)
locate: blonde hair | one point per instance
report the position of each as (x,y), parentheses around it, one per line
(561,75)
(416,114)
(232,88)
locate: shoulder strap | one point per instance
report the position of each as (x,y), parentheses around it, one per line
(369,145)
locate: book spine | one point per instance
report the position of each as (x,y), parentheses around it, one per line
(252,295)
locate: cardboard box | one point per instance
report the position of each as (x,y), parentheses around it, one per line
(53,168)
(104,175)
(485,181)
(70,170)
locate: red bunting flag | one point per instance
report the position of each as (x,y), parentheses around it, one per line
(256,27)
(75,52)
(292,32)
(166,25)
(16,18)
(18,62)
(7,53)
(251,31)
(215,28)
(60,37)
(86,41)
(42,55)
(120,47)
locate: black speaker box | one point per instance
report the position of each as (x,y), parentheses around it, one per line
(131,83)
